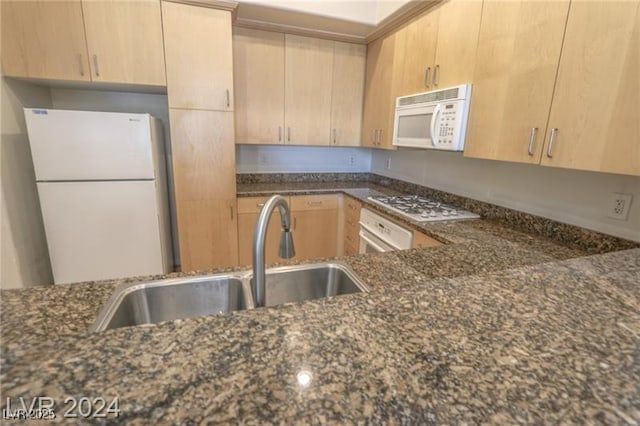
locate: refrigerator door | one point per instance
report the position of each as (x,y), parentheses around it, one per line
(101,230)
(86,145)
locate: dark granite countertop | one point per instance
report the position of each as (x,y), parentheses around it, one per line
(498,325)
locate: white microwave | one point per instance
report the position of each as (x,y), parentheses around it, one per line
(435,120)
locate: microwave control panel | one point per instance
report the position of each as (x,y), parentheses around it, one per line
(448,126)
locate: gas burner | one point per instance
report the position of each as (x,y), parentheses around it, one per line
(421,209)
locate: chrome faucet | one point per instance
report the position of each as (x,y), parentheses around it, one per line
(287,251)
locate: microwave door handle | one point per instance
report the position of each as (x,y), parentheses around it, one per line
(434,119)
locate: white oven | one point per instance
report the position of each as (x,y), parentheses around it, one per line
(435,120)
(378,234)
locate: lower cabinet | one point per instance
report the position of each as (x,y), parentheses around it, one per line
(248,212)
(351,226)
(421,240)
(315,225)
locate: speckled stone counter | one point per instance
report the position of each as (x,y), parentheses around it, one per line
(496,326)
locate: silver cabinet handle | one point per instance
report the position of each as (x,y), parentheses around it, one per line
(228,99)
(436,75)
(95,62)
(335,139)
(552,139)
(81,64)
(314,203)
(231,211)
(375,135)
(379,137)
(532,140)
(279,133)
(295,222)
(427,73)
(288,134)
(260,205)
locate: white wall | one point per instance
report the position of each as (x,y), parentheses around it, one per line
(568,196)
(23,249)
(282,159)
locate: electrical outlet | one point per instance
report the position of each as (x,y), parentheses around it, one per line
(262,159)
(389,163)
(352,160)
(619,206)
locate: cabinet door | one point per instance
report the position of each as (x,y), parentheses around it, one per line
(379,104)
(44,39)
(198,53)
(458,28)
(347,94)
(202,142)
(315,233)
(597,95)
(308,76)
(124,39)
(419,53)
(258,66)
(248,213)
(516,62)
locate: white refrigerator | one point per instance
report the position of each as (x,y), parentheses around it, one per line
(101,179)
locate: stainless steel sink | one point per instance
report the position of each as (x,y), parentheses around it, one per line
(157,301)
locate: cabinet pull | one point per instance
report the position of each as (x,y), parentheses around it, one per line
(532,140)
(228,99)
(295,222)
(288,134)
(335,140)
(95,62)
(260,205)
(436,75)
(279,133)
(81,64)
(427,73)
(552,139)
(231,211)
(375,134)
(379,137)
(314,203)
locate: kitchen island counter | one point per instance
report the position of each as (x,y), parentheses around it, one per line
(495,326)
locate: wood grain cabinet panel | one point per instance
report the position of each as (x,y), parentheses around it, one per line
(517,58)
(258,66)
(205,185)
(44,39)
(124,40)
(309,75)
(347,94)
(248,212)
(418,51)
(315,225)
(199,58)
(596,102)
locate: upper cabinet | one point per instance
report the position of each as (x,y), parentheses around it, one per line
(557,84)
(199,74)
(517,57)
(124,40)
(347,93)
(419,52)
(308,90)
(594,122)
(259,96)
(44,39)
(114,42)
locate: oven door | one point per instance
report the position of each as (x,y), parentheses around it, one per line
(369,243)
(415,126)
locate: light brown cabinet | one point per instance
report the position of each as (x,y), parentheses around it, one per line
(418,51)
(44,39)
(205,188)
(84,41)
(259,86)
(377,121)
(199,58)
(518,52)
(307,92)
(248,212)
(597,93)
(351,215)
(421,240)
(347,93)
(315,225)
(124,40)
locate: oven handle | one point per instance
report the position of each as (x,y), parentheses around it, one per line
(434,118)
(373,232)
(372,243)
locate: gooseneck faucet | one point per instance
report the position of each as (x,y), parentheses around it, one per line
(287,251)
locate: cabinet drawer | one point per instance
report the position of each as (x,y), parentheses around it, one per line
(314,202)
(253,204)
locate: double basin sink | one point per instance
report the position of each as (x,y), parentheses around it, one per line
(165,300)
